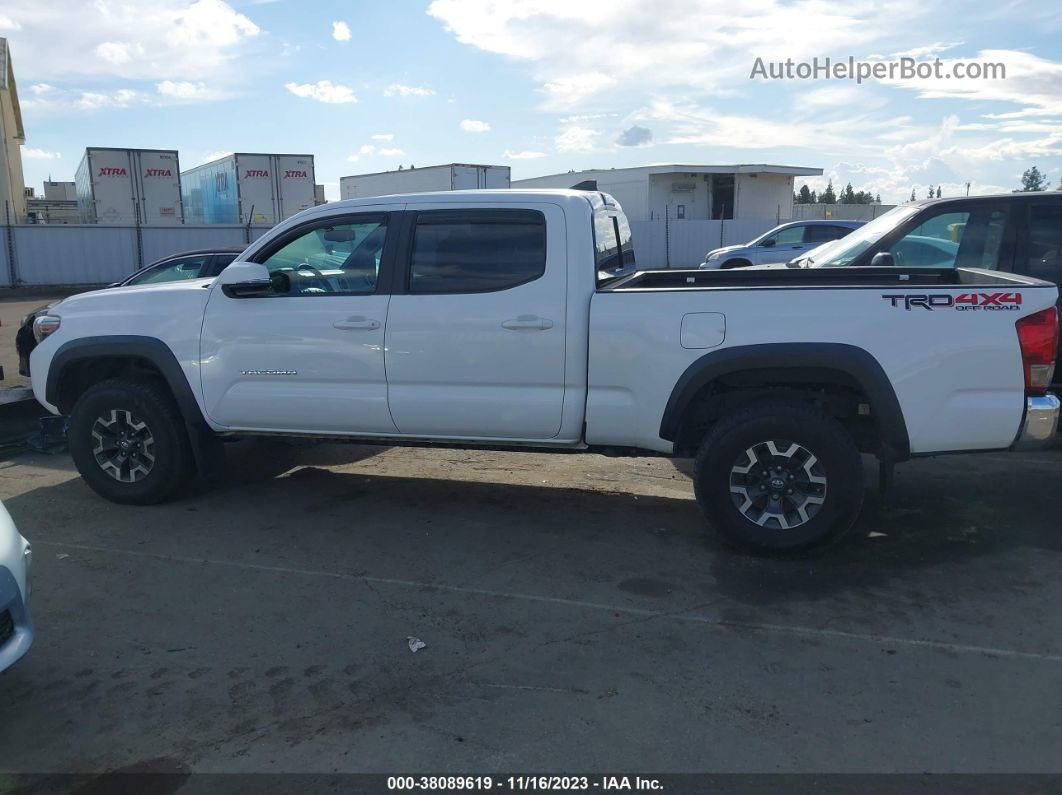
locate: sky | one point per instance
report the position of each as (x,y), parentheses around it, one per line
(544,86)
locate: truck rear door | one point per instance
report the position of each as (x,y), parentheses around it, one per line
(475,338)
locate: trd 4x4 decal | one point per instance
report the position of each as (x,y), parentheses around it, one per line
(988,302)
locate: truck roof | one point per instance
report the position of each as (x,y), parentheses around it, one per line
(458,196)
(1021,195)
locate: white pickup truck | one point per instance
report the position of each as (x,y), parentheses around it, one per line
(516,319)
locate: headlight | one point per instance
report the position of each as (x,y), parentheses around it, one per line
(45,325)
(715,255)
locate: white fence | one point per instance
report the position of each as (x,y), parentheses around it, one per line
(49,255)
(74,254)
(839,212)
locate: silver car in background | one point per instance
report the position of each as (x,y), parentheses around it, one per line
(781,244)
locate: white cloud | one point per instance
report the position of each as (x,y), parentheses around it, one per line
(571,91)
(524,155)
(160,40)
(390,152)
(210,157)
(400,90)
(576,139)
(323,91)
(7,23)
(353,158)
(185,90)
(340,31)
(119,52)
(383,137)
(366,149)
(39,154)
(122,98)
(651,46)
(1032,82)
(474,126)
(919,53)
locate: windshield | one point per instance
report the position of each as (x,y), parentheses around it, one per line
(841,252)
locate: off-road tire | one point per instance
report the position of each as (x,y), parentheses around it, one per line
(837,463)
(120,402)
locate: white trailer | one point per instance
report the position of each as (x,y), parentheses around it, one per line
(129,186)
(249,187)
(453,176)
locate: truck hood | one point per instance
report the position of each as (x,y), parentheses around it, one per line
(123,298)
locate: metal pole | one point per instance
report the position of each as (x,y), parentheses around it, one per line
(247,229)
(12,268)
(139,240)
(667,235)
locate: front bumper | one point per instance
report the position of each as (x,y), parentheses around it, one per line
(16,630)
(1040,423)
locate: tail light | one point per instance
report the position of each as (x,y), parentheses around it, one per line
(1038,338)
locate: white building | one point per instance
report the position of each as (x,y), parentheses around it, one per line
(686,192)
(12,136)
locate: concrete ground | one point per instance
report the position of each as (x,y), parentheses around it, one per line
(577,616)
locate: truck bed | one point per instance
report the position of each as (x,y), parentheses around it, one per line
(676,279)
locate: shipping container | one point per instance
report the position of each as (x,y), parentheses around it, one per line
(129,186)
(246,188)
(454,176)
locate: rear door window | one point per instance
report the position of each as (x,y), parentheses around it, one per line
(476,251)
(823,233)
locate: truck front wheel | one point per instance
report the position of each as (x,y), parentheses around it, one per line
(779,476)
(129,443)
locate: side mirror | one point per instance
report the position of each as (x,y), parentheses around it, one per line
(245,280)
(883,259)
(769,242)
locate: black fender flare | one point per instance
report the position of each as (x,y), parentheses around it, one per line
(851,360)
(158,353)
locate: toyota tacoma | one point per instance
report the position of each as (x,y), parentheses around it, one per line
(518,319)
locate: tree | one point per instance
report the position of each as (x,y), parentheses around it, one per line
(930,195)
(814,198)
(806,196)
(848,195)
(1032,180)
(938,191)
(912,194)
(877,198)
(828,196)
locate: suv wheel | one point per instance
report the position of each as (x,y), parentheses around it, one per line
(129,443)
(779,476)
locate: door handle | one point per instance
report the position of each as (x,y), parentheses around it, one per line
(528,323)
(356,323)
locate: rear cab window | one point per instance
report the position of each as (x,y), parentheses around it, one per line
(613,244)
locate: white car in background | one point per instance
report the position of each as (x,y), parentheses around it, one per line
(16,631)
(781,244)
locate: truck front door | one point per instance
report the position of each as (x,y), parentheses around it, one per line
(309,356)
(476,326)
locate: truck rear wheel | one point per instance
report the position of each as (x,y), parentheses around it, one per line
(778,477)
(129,443)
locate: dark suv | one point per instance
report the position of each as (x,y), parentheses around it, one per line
(1015,232)
(198,264)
